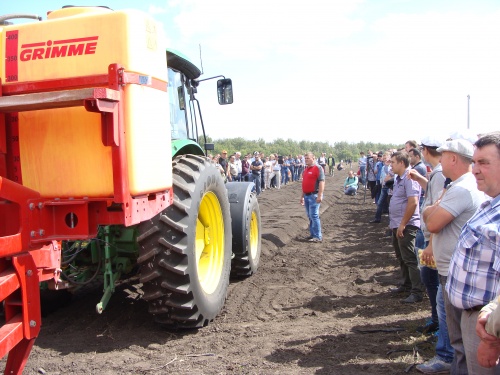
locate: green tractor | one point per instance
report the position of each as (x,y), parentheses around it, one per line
(186,254)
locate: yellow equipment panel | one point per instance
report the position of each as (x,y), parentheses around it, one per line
(61,151)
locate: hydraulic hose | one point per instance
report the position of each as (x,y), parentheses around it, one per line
(93,276)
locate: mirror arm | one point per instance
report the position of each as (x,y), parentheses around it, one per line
(206,79)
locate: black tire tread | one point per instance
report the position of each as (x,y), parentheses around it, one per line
(164,250)
(241,265)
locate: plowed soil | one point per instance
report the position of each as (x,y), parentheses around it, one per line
(310,309)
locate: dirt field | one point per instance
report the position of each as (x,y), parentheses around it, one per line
(310,309)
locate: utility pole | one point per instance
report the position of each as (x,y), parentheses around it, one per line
(468,111)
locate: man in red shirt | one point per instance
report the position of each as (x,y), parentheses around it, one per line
(313,185)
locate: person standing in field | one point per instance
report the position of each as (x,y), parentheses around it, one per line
(313,185)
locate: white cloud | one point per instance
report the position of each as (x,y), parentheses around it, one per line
(327,67)
(154,10)
(251,30)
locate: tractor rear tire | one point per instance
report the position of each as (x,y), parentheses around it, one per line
(246,225)
(185,251)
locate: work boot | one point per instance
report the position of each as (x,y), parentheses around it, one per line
(412,298)
(399,289)
(435,366)
(428,328)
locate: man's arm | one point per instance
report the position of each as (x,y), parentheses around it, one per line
(415,176)
(488,352)
(436,217)
(321,188)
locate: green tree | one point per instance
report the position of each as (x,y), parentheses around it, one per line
(340,150)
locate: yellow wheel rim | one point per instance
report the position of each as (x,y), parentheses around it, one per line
(254,235)
(209,245)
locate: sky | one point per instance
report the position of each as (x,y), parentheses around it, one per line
(334,70)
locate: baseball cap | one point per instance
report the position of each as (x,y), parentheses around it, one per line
(431,141)
(224,151)
(466,134)
(256,153)
(459,146)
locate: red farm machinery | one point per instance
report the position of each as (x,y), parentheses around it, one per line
(102,176)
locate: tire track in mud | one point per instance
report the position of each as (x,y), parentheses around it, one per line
(285,265)
(323,274)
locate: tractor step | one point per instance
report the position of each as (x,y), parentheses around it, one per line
(19,294)
(11,333)
(9,283)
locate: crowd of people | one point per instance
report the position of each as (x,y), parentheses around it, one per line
(442,201)
(275,170)
(267,172)
(442,198)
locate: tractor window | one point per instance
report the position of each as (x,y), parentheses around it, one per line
(177,104)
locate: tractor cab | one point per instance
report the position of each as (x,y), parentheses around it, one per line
(186,119)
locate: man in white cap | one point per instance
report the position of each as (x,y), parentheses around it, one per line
(444,219)
(447,221)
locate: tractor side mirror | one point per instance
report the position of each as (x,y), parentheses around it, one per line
(225,91)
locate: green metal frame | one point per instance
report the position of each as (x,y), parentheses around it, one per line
(120,254)
(106,258)
(184,147)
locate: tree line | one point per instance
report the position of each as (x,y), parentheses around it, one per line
(340,150)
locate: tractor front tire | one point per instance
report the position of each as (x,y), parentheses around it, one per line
(185,251)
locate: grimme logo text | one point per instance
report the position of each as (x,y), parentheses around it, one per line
(59,48)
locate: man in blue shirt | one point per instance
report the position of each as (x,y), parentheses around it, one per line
(404,217)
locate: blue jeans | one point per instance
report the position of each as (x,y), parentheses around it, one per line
(420,240)
(363,175)
(351,190)
(284,175)
(312,210)
(430,278)
(292,172)
(378,191)
(296,174)
(382,203)
(255,178)
(444,350)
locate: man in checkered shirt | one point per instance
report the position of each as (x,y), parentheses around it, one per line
(474,274)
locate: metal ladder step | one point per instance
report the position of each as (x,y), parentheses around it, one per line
(19,292)
(9,283)
(11,333)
